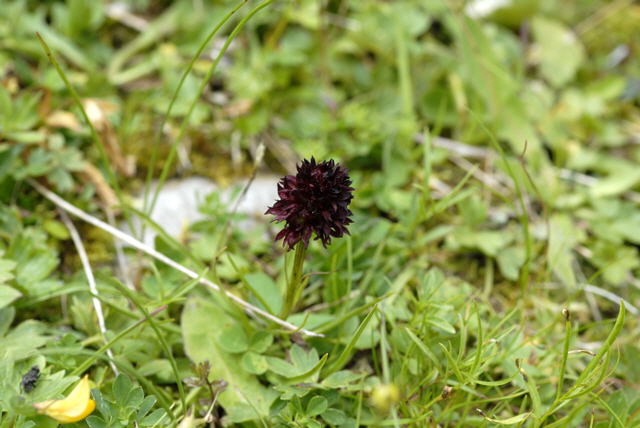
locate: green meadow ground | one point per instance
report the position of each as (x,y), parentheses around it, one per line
(492,272)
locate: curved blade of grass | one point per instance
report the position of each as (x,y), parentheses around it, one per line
(496,382)
(28,301)
(346,352)
(532,388)
(494,400)
(183,127)
(456,195)
(163,341)
(338,321)
(454,365)
(246,283)
(182,289)
(91,280)
(424,349)
(61,43)
(370,274)
(579,387)
(480,347)
(165,118)
(312,371)
(565,354)
(589,384)
(615,331)
(613,414)
(509,421)
(564,421)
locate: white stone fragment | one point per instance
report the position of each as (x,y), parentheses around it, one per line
(178,201)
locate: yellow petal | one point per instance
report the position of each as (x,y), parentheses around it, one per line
(75,407)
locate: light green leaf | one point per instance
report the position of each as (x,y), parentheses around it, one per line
(260,341)
(8,295)
(254,363)
(36,269)
(623,178)
(35,259)
(121,389)
(303,364)
(6,270)
(558,51)
(245,398)
(303,359)
(154,418)
(563,236)
(56,229)
(510,421)
(22,341)
(233,339)
(615,261)
(510,260)
(334,416)
(510,13)
(157,367)
(441,324)
(6,318)
(341,379)
(265,290)
(281,367)
(317,405)
(312,373)
(96,422)
(489,242)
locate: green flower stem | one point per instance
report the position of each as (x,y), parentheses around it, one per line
(294,287)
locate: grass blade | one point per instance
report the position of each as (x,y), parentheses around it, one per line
(346,352)
(205,81)
(165,118)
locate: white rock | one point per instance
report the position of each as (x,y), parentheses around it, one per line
(178,201)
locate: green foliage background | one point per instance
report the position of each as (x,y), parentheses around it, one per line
(495,160)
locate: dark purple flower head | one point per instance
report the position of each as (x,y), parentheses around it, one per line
(315,200)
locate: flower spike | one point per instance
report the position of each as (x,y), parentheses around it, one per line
(314,201)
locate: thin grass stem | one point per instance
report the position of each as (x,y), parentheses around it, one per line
(57,200)
(205,81)
(84,259)
(165,118)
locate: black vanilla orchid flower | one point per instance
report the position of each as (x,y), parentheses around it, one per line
(315,200)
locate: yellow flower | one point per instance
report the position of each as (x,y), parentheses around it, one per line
(384,396)
(77,406)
